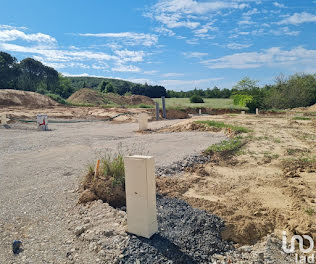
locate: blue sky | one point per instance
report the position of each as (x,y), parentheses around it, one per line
(180,44)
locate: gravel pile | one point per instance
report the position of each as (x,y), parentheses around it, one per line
(182,165)
(186,235)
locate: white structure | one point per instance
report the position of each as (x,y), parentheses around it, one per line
(143,121)
(3,119)
(42,122)
(200,112)
(140,187)
(257,111)
(243,112)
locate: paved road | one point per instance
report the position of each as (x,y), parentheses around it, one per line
(40,169)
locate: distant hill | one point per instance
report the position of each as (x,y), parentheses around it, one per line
(93,82)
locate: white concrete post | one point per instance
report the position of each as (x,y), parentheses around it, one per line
(3,119)
(200,112)
(42,122)
(243,112)
(257,111)
(140,185)
(143,121)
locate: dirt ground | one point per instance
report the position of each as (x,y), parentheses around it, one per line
(75,112)
(268,186)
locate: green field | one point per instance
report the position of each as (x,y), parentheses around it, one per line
(216,103)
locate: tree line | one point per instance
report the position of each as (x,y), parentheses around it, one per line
(31,75)
(297,90)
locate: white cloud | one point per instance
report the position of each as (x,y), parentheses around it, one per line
(164,31)
(152,72)
(130,38)
(8,33)
(284,31)
(188,84)
(125,68)
(172,74)
(237,46)
(195,54)
(194,7)
(273,57)
(192,41)
(276,4)
(129,55)
(298,18)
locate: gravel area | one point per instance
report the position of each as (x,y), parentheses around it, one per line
(39,171)
(186,235)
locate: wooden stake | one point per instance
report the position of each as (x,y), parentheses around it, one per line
(97,166)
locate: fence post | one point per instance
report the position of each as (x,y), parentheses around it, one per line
(157,111)
(164,115)
(140,188)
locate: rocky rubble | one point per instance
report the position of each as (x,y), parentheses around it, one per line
(183,165)
(186,235)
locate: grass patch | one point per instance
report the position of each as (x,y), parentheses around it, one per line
(301,118)
(310,211)
(107,184)
(217,124)
(227,146)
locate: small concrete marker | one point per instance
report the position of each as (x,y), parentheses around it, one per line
(200,112)
(140,185)
(143,121)
(3,119)
(42,122)
(243,112)
(164,114)
(257,111)
(157,111)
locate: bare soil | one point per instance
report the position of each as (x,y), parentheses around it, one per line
(9,97)
(268,186)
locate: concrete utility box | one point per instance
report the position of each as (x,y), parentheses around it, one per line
(42,122)
(3,119)
(200,112)
(143,121)
(243,112)
(140,187)
(257,111)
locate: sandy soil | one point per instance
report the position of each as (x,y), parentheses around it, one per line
(63,112)
(268,186)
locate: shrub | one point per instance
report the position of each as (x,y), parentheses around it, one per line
(57,98)
(226,146)
(196,99)
(241,99)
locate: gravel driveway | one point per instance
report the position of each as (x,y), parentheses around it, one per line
(39,171)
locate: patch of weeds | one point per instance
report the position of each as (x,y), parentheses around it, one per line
(277,140)
(238,129)
(270,155)
(310,211)
(301,118)
(226,146)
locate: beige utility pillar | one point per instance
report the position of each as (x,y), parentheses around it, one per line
(200,112)
(243,112)
(42,122)
(140,188)
(257,111)
(3,119)
(143,121)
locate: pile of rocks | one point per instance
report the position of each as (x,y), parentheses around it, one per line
(186,235)
(183,165)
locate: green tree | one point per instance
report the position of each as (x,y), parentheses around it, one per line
(245,84)
(8,71)
(102,86)
(109,88)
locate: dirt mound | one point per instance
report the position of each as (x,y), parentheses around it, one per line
(312,108)
(140,99)
(176,114)
(9,97)
(88,96)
